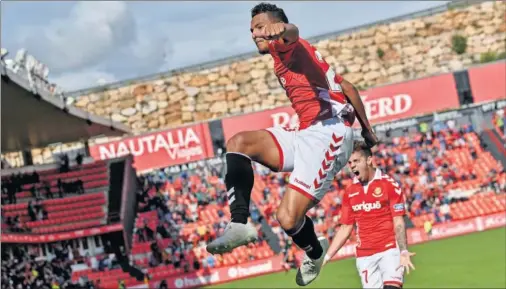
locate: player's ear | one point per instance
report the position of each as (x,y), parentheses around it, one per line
(369,161)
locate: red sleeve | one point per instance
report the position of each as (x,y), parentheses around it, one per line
(395,197)
(347,216)
(282,48)
(338,78)
(283,51)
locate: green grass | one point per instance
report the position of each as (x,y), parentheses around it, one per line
(472,261)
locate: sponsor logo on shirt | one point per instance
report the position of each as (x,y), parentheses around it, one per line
(367,207)
(352,195)
(398,207)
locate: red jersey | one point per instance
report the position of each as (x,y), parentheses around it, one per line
(311,85)
(372,208)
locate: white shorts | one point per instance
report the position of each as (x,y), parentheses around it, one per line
(314,155)
(381,269)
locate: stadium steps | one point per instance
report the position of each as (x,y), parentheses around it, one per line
(481,204)
(494,144)
(71,213)
(95,178)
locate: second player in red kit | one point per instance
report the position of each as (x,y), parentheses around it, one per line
(326,105)
(375,204)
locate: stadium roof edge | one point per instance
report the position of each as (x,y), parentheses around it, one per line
(247,55)
(37,111)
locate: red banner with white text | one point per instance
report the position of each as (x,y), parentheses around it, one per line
(410,98)
(382,104)
(488,82)
(47,238)
(160,149)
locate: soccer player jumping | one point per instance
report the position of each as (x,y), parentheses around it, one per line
(326,105)
(375,203)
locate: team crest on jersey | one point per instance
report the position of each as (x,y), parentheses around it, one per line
(283,81)
(377,192)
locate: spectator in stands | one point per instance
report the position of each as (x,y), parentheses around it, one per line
(59,184)
(163,285)
(17,226)
(31,211)
(34,191)
(47,188)
(64,164)
(156,254)
(161,229)
(150,235)
(498,119)
(211,261)
(79,159)
(140,235)
(92,262)
(24,270)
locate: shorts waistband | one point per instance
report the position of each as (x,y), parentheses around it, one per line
(340,119)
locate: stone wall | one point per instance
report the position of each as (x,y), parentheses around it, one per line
(411,49)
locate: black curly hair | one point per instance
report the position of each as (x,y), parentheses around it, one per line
(272,9)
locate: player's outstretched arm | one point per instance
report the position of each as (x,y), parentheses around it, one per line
(353,97)
(400,237)
(286,33)
(291,33)
(340,239)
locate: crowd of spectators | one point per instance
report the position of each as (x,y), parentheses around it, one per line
(13,184)
(179,200)
(420,162)
(26,270)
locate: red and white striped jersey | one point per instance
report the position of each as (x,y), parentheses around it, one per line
(311,84)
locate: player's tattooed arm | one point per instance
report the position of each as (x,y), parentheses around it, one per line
(400,233)
(400,236)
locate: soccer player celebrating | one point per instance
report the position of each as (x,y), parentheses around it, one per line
(375,203)
(326,105)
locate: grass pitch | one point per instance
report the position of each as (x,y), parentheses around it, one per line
(472,261)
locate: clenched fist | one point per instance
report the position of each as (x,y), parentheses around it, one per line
(370,138)
(271,31)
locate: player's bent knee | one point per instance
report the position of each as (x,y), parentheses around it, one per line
(258,145)
(391,286)
(287,218)
(238,143)
(250,143)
